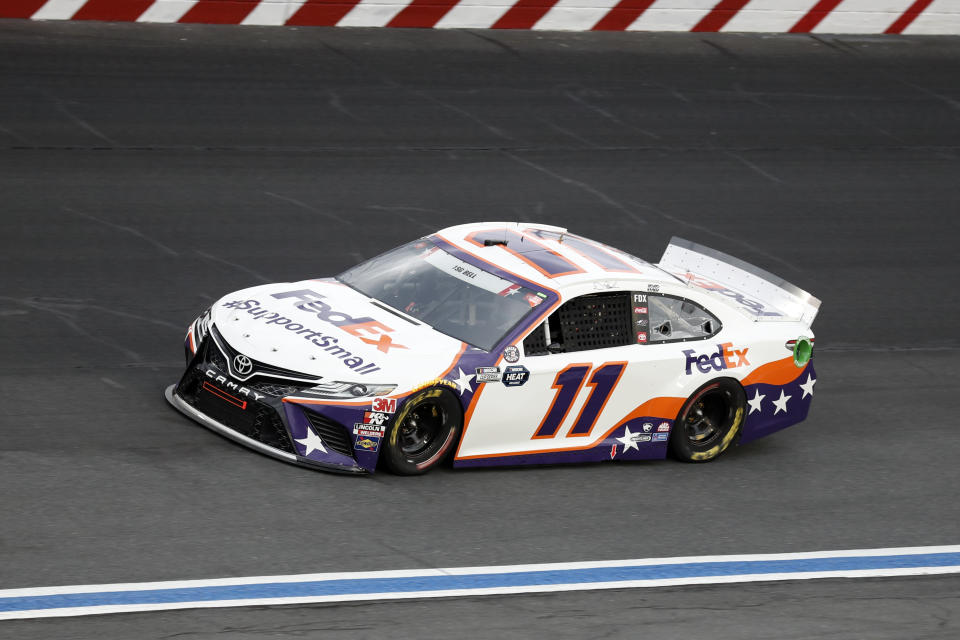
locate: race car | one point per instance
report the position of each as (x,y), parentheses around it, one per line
(504,344)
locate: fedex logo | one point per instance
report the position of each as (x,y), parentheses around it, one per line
(754,305)
(366,328)
(725,357)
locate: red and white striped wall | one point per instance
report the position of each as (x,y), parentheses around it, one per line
(774,16)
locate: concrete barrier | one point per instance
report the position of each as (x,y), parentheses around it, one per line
(773,16)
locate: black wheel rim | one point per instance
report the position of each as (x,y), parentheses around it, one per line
(420,428)
(707,417)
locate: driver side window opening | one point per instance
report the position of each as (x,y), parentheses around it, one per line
(593,321)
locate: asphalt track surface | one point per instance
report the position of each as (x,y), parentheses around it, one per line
(147,170)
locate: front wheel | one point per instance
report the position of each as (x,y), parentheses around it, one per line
(423,432)
(709,421)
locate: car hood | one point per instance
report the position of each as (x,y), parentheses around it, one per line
(323,328)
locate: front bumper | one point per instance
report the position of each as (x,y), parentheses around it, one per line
(261,421)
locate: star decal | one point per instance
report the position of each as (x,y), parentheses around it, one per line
(781,404)
(627,440)
(808,386)
(463,381)
(755,403)
(312,443)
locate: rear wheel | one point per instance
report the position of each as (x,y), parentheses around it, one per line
(423,432)
(709,421)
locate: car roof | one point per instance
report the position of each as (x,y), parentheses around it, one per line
(547,255)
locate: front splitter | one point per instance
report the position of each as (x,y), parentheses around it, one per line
(218,427)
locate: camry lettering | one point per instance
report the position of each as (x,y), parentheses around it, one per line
(232,386)
(366,328)
(725,357)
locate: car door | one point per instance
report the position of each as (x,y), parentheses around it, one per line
(583,373)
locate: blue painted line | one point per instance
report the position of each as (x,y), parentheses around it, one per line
(412,585)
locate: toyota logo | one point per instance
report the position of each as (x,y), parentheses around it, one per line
(242,364)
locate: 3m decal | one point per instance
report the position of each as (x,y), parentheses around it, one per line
(568,383)
(725,357)
(384,405)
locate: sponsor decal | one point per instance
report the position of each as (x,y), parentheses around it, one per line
(488,374)
(324,341)
(374,417)
(641,337)
(532,299)
(640,310)
(653,288)
(384,405)
(368,430)
(367,329)
(660,437)
(509,291)
(663,427)
(640,298)
(647,427)
(232,386)
(367,444)
(642,322)
(641,437)
(725,357)
(754,305)
(511,354)
(515,375)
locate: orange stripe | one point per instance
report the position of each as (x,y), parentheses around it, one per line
(666,408)
(779,372)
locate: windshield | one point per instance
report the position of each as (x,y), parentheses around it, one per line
(452,296)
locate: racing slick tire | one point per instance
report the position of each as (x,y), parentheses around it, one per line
(423,432)
(709,422)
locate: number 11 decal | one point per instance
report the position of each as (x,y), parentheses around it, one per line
(568,383)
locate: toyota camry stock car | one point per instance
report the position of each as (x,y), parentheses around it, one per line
(504,344)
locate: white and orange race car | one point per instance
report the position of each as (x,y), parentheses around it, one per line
(504,344)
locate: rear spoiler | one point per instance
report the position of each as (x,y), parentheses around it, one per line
(757,293)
